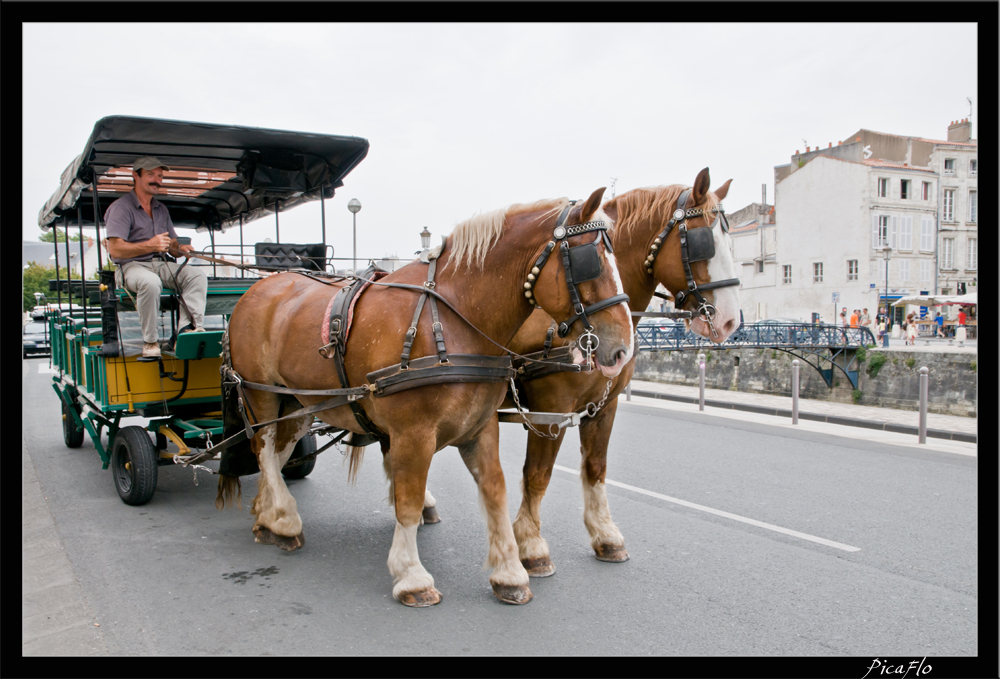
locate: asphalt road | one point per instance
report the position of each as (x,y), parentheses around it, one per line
(178,577)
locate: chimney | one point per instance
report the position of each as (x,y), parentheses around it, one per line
(807,149)
(829,145)
(838,143)
(960,130)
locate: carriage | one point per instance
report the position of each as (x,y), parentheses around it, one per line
(221,177)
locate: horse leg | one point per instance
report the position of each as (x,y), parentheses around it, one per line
(412,584)
(605,537)
(430,513)
(532,547)
(482,457)
(278,521)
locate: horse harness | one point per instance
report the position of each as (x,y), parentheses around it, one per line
(697,245)
(581,263)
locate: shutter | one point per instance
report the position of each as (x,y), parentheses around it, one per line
(875,243)
(906,237)
(893,230)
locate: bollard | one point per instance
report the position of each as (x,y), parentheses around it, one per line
(701,381)
(924,379)
(795,391)
(628,391)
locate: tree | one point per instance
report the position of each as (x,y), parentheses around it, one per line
(36,279)
(48,235)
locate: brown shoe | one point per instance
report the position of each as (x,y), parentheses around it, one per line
(150,350)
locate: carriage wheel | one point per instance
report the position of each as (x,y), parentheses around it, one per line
(305,446)
(133,465)
(72,434)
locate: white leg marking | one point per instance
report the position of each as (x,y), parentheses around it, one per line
(528,528)
(277,509)
(597,515)
(408,573)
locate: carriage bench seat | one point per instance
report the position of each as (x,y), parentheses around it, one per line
(168,301)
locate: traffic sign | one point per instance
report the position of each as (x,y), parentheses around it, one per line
(836,297)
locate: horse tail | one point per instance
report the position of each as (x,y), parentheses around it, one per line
(355,456)
(229,490)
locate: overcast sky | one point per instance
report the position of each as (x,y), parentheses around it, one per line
(465,118)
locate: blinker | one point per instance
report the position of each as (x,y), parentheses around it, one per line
(585,262)
(700,244)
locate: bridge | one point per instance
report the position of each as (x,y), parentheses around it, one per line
(822,346)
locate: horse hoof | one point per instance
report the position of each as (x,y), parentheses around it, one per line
(264,536)
(541,567)
(421,599)
(431,515)
(612,553)
(512,594)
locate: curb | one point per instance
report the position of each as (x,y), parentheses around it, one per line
(831,419)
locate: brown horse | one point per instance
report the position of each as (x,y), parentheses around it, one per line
(274,334)
(640,216)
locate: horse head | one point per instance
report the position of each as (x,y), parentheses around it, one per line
(579,285)
(694,261)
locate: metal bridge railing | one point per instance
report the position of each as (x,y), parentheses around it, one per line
(656,337)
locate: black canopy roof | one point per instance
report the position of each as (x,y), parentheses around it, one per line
(218,173)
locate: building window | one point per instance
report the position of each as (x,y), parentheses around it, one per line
(904,270)
(852,269)
(883,187)
(786,274)
(926,267)
(973,206)
(947,253)
(817,272)
(973,167)
(906,233)
(925,193)
(880,231)
(760,266)
(949,166)
(926,234)
(904,188)
(948,207)
(973,254)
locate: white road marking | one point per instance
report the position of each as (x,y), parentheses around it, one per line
(44,369)
(727,515)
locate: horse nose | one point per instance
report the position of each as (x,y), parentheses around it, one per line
(730,327)
(620,354)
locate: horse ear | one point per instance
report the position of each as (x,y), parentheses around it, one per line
(592,205)
(721,192)
(700,188)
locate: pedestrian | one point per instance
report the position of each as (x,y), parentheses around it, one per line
(940,325)
(843,317)
(883,332)
(960,330)
(140,239)
(866,320)
(854,319)
(911,329)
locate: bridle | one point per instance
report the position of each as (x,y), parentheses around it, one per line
(697,245)
(582,263)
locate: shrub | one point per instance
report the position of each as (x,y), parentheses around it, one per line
(972,366)
(856,396)
(910,362)
(861,353)
(875,364)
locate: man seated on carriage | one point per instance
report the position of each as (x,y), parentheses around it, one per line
(140,237)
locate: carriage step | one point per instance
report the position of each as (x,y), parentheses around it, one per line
(195,345)
(561,420)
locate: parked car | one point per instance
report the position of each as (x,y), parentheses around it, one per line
(777,321)
(35,340)
(661,324)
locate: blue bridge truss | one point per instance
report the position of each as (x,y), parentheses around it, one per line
(824,347)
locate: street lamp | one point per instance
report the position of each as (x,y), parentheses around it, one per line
(354,205)
(885,253)
(425,238)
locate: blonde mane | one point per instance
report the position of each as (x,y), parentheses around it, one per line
(652,203)
(472,239)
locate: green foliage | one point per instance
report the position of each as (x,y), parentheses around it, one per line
(972,366)
(856,396)
(861,353)
(910,362)
(48,235)
(774,355)
(875,364)
(36,279)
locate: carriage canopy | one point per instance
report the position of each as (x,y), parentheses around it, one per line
(218,173)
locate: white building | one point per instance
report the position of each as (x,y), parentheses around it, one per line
(840,206)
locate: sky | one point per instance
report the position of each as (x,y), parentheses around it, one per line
(467,118)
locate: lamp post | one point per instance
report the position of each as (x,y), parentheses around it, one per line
(425,239)
(885,253)
(354,205)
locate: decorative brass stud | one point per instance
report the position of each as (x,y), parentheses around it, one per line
(527,286)
(649,271)
(531,276)
(527,293)
(535,270)
(654,247)
(657,241)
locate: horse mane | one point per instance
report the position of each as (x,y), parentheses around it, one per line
(652,203)
(472,239)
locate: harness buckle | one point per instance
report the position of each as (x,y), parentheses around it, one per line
(429,285)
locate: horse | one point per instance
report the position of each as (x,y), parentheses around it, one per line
(640,217)
(491,275)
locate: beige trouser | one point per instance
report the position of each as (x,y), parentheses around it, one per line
(146,281)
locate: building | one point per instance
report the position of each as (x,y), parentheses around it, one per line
(841,206)
(44,255)
(753,233)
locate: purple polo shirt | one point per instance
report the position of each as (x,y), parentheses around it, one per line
(126,219)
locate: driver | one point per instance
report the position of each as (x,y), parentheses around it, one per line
(140,236)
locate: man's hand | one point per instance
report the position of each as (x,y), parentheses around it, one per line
(159,243)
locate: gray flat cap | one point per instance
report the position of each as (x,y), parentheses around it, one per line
(148,163)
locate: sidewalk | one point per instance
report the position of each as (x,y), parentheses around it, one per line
(950,427)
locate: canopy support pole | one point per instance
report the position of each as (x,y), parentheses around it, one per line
(97,225)
(322,212)
(242,270)
(55,246)
(277,229)
(69,262)
(211,235)
(83,273)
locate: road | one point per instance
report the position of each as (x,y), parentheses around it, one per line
(746,538)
